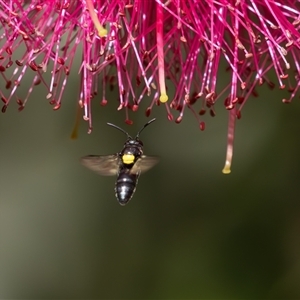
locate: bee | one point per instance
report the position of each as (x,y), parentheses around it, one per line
(128,164)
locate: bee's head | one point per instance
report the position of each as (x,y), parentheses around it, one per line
(133,148)
(134,142)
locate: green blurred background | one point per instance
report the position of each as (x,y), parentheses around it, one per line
(189,231)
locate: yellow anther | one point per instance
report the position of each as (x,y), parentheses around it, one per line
(163,98)
(226,170)
(101,30)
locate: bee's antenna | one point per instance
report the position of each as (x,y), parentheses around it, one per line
(117,127)
(137,136)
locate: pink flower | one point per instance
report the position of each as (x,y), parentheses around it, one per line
(141,47)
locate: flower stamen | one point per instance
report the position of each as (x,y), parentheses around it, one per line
(230,139)
(160,53)
(102,32)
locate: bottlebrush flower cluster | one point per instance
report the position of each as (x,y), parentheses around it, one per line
(141,47)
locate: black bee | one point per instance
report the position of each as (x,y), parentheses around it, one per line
(127,165)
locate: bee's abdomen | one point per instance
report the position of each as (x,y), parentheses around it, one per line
(125,186)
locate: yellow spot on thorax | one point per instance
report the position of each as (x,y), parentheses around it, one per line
(128,159)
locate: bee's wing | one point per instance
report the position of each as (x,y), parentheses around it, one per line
(106,165)
(144,164)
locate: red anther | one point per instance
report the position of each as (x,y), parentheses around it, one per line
(284,76)
(148,111)
(193,99)
(103,102)
(57,106)
(61,61)
(8,84)
(66,5)
(170,117)
(178,120)
(109,57)
(4,107)
(226,102)
(67,70)
(202,126)
(9,64)
(129,122)
(241,100)
(138,80)
(20,102)
(212,113)
(37,81)
(19,63)
(202,112)
(33,65)
(135,107)
(8,50)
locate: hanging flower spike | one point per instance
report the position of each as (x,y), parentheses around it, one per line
(144,47)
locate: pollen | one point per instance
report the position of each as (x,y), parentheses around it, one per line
(128,159)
